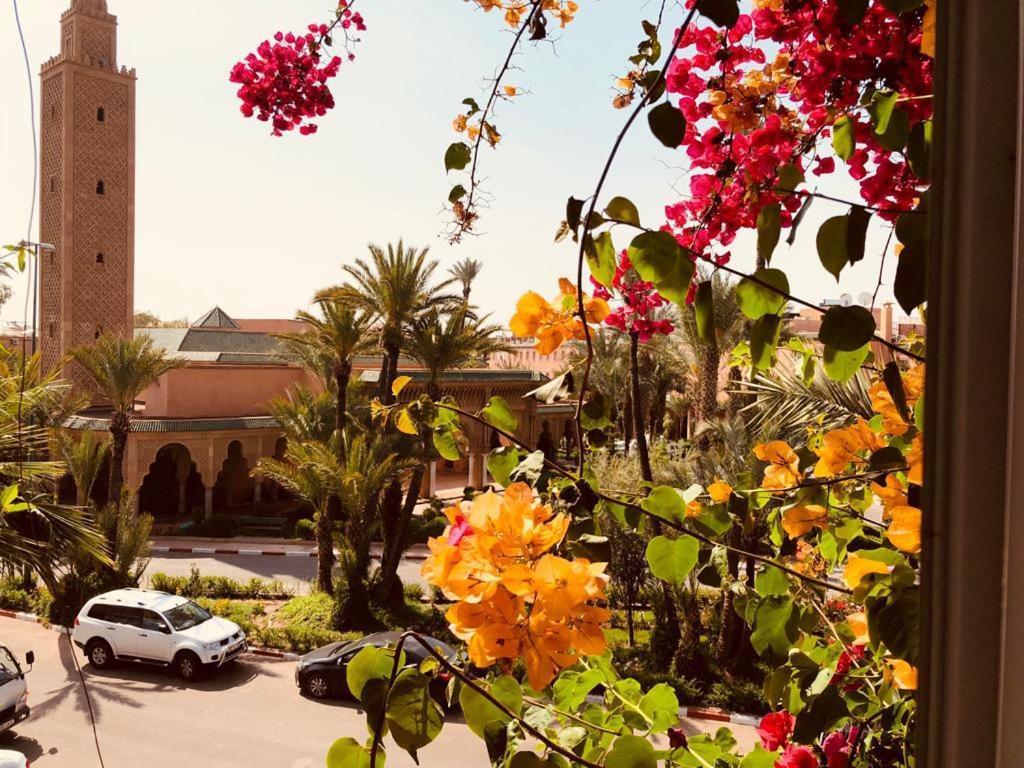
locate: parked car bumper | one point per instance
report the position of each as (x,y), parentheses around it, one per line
(19,715)
(232,654)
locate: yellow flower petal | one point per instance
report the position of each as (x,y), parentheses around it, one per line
(720,492)
(796,521)
(905,529)
(904,675)
(858,567)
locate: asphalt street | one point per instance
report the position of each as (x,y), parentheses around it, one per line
(248,715)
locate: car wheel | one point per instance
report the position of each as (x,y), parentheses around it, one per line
(317,686)
(99,653)
(188,665)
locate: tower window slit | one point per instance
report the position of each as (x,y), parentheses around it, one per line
(101,115)
(99,257)
(100,189)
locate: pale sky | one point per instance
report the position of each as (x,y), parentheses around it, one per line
(228,215)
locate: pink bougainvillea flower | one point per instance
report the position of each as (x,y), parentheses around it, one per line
(459,528)
(774,729)
(795,756)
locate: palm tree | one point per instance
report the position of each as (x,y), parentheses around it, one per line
(84,456)
(330,343)
(120,370)
(439,342)
(303,415)
(396,285)
(466,271)
(311,470)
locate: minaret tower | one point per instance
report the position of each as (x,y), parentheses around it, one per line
(87,186)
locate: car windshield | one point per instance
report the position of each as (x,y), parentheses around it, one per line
(9,668)
(186,615)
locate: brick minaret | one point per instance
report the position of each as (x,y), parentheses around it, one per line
(87,186)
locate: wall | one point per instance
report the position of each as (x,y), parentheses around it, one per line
(205,391)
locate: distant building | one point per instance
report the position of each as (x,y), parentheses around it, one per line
(524,356)
(200,429)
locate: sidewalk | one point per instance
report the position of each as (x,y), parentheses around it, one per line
(256,545)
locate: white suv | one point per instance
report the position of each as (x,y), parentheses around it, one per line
(157,628)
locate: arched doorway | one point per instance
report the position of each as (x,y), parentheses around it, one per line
(172,488)
(235,486)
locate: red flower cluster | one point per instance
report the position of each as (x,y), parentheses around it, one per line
(776,729)
(764,94)
(639,301)
(285,82)
(847,659)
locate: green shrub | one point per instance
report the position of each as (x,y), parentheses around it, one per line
(305,529)
(413,592)
(14,597)
(421,528)
(313,611)
(742,696)
(243,613)
(196,585)
(218,526)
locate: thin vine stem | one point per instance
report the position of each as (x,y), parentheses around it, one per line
(581,255)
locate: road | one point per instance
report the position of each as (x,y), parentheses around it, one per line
(295,573)
(248,715)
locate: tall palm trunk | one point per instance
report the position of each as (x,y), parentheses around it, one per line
(324,551)
(707,386)
(671,630)
(342,373)
(393,351)
(120,426)
(382,378)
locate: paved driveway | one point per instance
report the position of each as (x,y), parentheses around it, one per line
(248,716)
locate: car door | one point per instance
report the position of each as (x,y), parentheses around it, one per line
(124,633)
(154,637)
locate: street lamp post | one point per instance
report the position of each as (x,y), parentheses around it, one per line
(36,248)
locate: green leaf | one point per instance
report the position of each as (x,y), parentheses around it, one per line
(853,10)
(769,228)
(856,233)
(831,244)
(889,457)
(894,384)
(919,149)
(759,757)
(665,502)
(847,328)
(369,663)
(630,751)
(754,296)
(457,156)
(501,462)
(841,366)
(478,711)
(596,412)
(573,213)
(704,312)
(902,6)
(498,414)
(897,133)
(458,192)
(657,258)
(672,560)
(349,753)
(880,109)
(894,623)
(529,470)
(557,389)
(843,138)
(909,287)
(790,176)
(446,443)
(772,626)
(667,124)
(661,705)
(414,718)
(764,338)
(724,13)
(771,582)
(912,228)
(600,252)
(622,209)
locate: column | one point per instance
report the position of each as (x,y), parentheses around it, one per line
(472,471)
(432,480)
(208,501)
(257,495)
(182,498)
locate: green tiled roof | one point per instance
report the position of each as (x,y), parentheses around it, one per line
(176,425)
(470,375)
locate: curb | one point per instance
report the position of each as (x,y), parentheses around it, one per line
(256,552)
(693,713)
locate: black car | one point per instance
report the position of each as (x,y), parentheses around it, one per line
(322,673)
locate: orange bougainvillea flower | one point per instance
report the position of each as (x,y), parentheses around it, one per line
(553,323)
(882,403)
(858,567)
(845,446)
(796,521)
(858,624)
(893,494)
(783,470)
(515,599)
(905,529)
(719,492)
(915,460)
(904,675)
